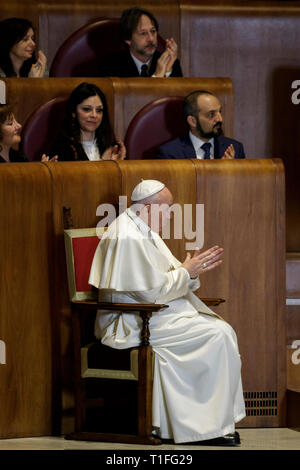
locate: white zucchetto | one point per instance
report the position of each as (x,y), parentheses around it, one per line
(146,189)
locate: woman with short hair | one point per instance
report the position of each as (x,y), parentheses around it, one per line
(10,138)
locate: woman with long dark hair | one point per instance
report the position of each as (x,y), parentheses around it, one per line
(86,132)
(17,51)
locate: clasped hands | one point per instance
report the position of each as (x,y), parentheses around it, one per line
(167,59)
(45,158)
(115,152)
(202,262)
(229,153)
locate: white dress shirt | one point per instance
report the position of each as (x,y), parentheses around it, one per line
(139,65)
(91,149)
(197,143)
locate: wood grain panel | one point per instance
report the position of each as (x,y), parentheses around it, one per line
(26,381)
(244,213)
(81,186)
(25,9)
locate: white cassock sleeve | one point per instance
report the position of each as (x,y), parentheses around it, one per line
(176,285)
(127,262)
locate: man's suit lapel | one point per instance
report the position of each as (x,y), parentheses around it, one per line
(153,64)
(187,147)
(218,147)
(131,68)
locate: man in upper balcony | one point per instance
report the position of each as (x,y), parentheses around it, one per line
(141,58)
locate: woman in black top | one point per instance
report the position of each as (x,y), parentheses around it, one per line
(86,132)
(17,52)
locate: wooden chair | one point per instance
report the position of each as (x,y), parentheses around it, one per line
(81,244)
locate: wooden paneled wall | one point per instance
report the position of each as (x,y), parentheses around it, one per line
(255,43)
(26,285)
(244,213)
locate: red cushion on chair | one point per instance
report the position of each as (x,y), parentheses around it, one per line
(80,246)
(83,251)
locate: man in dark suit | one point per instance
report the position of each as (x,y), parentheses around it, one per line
(141,58)
(202,111)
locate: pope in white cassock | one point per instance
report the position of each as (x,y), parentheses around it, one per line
(197,389)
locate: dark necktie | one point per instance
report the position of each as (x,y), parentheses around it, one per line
(206,148)
(144,71)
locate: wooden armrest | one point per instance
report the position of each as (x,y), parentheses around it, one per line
(145,311)
(213,302)
(122,307)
